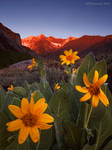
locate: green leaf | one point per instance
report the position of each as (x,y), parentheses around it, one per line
(108,146)
(37,95)
(27,87)
(2,97)
(59,104)
(4,134)
(15,146)
(86,66)
(89,147)
(46,139)
(101,67)
(20,91)
(73,97)
(72,135)
(45,89)
(34,86)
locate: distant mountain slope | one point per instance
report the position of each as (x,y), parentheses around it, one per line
(83,42)
(103,49)
(11,49)
(44,46)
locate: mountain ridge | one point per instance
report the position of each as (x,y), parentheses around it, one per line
(43,45)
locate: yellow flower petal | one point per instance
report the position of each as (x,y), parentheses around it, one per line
(56,87)
(103,98)
(62,57)
(95,101)
(11,87)
(77,57)
(73,61)
(81,89)
(85,79)
(34,134)
(68,62)
(14,125)
(85,97)
(66,53)
(96,76)
(44,126)
(40,106)
(30,67)
(23,134)
(75,53)
(24,105)
(33,61)
(102,80)
(46,118)
(70,52)
(63,63)
(16,111)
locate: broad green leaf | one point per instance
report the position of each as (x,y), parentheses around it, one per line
(60,104)
(2,97)
(72,135)
(89,147)
(73,97)
(108,146)
(15,146)
(37,95)
(46,139)
(45,89)
(85,66)
(20,91)
(101,67)
(4,134)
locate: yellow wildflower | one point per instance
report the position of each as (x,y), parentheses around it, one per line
(30,118)
(94,89)
(11,88)
(56,87)
(69,57)
(74,70)
(33,64)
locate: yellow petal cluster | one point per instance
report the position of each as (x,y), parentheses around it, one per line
(33,64)
(74,71)
(30,118)
(11,88)
(93,90)
(56,87)
(69,58)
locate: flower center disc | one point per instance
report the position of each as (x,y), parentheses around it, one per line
(69,57)
(94,90)
(29,120)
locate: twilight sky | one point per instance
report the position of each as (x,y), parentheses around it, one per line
(59,18)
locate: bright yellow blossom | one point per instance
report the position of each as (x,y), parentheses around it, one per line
(11,88)
(30,118)
(33,64)
(56,87)
(69,57)
(74,71)
(93,90)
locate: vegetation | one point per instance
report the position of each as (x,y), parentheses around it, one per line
(77,125)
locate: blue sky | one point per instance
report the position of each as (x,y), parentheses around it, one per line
(59,18)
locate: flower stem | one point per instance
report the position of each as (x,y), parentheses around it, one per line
(98,137)
(85,116)
(91,108)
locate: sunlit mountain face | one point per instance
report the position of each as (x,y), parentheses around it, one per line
(43,45)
